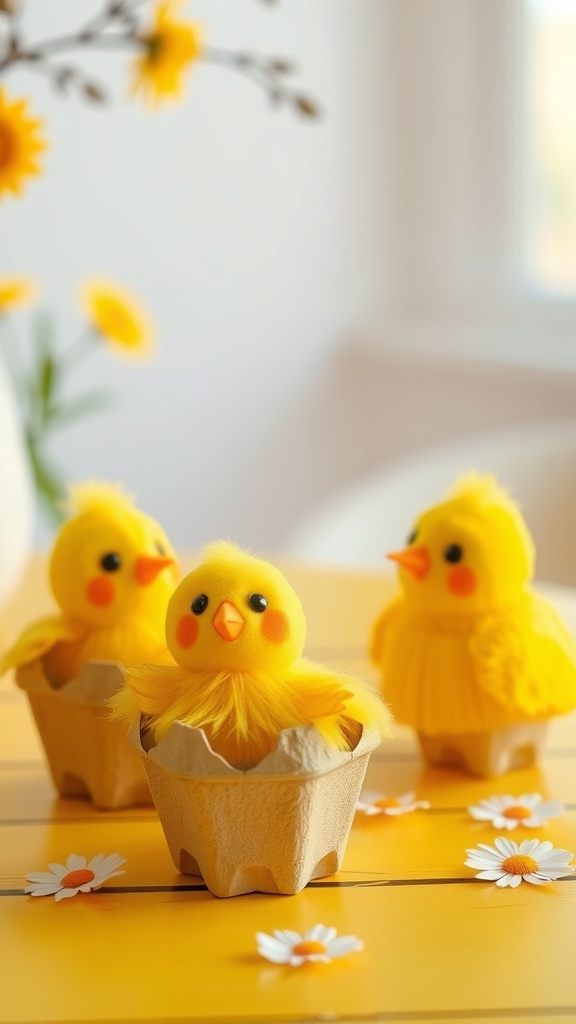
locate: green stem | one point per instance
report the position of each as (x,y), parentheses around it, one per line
(79,350)
(9,346)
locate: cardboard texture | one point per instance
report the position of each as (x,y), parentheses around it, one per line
(88,755)
(490,753)
(270,829)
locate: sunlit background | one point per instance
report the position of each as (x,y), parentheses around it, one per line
(350,310)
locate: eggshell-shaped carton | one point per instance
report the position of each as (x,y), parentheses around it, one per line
(270,829)
(490,753)
(88,754)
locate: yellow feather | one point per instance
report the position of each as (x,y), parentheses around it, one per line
(39,638)
(98,496)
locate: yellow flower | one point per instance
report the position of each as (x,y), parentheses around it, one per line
(19,144)
(16,291)
(117,316)
(168,49)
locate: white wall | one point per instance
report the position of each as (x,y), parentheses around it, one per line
(264,245)
(257,239)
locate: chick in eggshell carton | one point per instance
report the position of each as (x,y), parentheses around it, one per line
(255,756)
(112,571)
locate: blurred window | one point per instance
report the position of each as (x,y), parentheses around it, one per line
(549,151)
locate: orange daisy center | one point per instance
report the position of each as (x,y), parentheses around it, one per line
(520,864)
(74,879)
(386,801)
(308,947)
(517,812)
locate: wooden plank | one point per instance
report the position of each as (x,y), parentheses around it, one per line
(19,740)
(439,949)
(27,794)
(422,845)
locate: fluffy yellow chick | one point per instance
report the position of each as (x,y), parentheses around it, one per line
(112,572)
(236,630)
(468,647)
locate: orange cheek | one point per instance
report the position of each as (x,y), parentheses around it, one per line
(187,630)
(275,626)
(462,581)
(100,591)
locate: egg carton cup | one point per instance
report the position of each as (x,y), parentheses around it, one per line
(88,754)
(487,754)
(270,829)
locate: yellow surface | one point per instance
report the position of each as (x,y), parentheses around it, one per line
(154,945)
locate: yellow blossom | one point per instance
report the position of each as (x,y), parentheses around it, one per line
(20,144)
(118,317)
(16,291)
(167,50)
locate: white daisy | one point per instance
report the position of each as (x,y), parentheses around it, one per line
(510,811)
(508,863)
(378,803)
(76,876)
(318,943)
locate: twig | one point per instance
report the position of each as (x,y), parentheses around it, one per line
(266,72)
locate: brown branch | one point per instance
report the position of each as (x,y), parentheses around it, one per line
(268,73)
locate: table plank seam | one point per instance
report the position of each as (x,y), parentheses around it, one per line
(348,884)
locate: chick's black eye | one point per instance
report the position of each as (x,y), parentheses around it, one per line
(199,604)
(412,537)
(111,562)
(160,549)
(258,602)
(453,553)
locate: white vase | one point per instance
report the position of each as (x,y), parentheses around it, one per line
(16,493)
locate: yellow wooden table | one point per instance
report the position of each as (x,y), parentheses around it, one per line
(155,945)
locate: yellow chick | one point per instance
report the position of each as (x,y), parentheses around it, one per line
(112,572)
(468,647)
(236,630)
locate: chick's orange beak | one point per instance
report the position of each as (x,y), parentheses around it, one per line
(227,621)
(416,560)
(148,566)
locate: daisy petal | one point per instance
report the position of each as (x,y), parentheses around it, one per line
(322,934)
(271,945)
(490,876)
(110,874)
(64,894)
(507,847)
(41,890)
(369,797)
(554,856)
(282,957)
(287,936)
(43,876)
(530,799)
(534,848)
(109,863)
(345,944)
(480,814)
(58,869)
(552,809)
(74,863)
(490,850)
